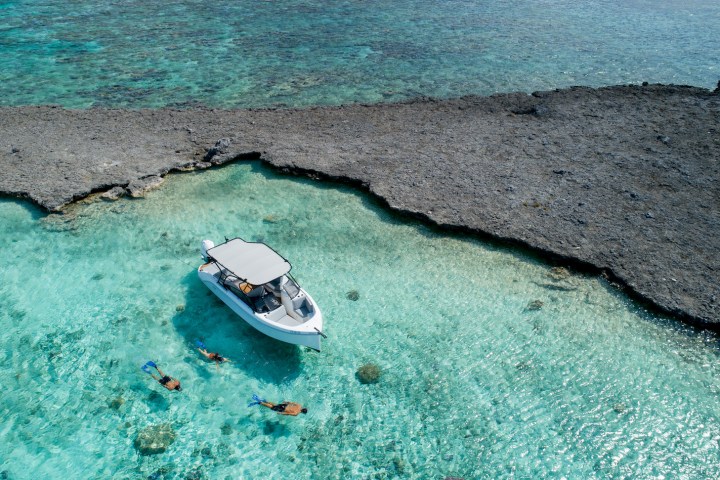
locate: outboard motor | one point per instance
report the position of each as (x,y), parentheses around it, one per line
(206,245)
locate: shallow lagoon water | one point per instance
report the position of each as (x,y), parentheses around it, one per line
(476,382)
(242,53)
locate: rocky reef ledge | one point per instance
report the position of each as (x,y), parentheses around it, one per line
(621,180)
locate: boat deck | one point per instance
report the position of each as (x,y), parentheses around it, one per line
(278,315)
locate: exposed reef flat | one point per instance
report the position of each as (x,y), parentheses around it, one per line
(623,179)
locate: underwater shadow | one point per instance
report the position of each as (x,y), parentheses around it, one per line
(392,216)
(516,248)
(206,318)
(36,211)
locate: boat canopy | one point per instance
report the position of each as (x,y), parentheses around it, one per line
(255,263)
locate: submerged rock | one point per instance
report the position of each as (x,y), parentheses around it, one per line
(205,452)
(226,429)
(114,193)
(524,365)
(196,474)
(559,273)
(154,439)
(562,287)
(138,188)
(116,403)
(160,473)
(369,373)
(353,295)
(535,305)
(399,465)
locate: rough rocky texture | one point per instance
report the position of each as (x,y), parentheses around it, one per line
(623,180)
(154,439)
(368,373)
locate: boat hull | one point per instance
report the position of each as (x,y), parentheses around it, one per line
(306,334)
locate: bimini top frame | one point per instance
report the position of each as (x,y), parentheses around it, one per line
(255,263)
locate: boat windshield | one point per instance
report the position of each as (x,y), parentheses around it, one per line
(291,287)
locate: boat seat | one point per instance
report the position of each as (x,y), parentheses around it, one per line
(303,311)
(238,284)
(256,292)
(299,302)
(276,315)
(266,303)
(291,288)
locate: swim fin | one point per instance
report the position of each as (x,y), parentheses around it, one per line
(256,400)
(146,368)
(200,344)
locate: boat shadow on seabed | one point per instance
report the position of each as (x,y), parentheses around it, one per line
(205,317)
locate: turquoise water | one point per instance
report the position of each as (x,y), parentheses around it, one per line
(475,383)
(493,365)
(240,53)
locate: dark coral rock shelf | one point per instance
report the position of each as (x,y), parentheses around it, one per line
(623,180)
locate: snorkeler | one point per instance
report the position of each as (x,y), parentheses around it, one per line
(165,380)
(216,357)
(213,356)
(285,408)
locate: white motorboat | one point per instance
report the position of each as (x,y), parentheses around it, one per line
(255,282)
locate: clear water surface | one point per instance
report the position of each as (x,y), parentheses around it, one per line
(477,382)
(250,53)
